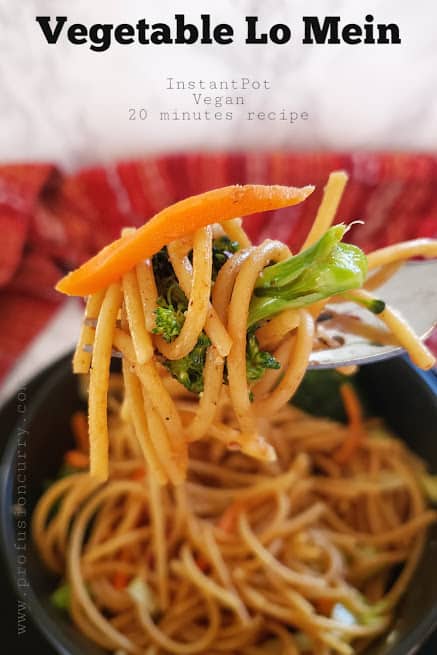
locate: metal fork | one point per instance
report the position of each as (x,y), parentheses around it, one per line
(412,291)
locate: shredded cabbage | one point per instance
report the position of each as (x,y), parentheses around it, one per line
(303,642)
(271,646)
(141,593)
(429,485)
(341,614)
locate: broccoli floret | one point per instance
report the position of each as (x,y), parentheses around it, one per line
(170,314)
(319,394)
(163,271)
(257,361)
(222,249)
(172,302)
(325,269)
(189,370)
(168,319)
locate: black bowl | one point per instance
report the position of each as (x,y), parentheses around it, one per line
(405,397)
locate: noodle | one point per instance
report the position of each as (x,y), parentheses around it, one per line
(82,358)
(328,207)
(184,272)
(296,546)
(230,521)
(99,379)
(295,371)
(148,292)
(199,299)
(237,322)
(135,318)
(400,329)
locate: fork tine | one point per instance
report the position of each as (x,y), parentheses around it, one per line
(92,322)
(88,348)
(412,291)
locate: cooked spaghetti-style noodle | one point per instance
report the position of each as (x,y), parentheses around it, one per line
(231,521)
(99,378)
(82,357)
(328,207)
(220,308)
(399,327)
(246,556)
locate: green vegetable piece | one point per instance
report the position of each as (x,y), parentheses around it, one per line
(377,306)
(326,268)
(373,613)
(374,305)
(168,320)
(303,642)
(222,249)
(272,646)
(61,597)
(189,370)
(429,485)
(257,361)
(163,271)
(319,394)
(172,303)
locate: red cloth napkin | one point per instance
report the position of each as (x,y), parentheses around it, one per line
(51,222)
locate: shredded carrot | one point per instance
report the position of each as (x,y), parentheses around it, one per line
(324,606)
(228,520)
(202,563)
(150,559)
(354,413)
(138,474)
(175,222)
(77,459)
(79,426)
(120,580)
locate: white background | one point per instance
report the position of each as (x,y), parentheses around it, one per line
(66,103)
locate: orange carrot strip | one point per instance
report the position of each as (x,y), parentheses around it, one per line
(174,222)
(228,520)
(202,563)
(138,474)
(79,426)
(354,413)
(324,606)
(77,459)
(120,580)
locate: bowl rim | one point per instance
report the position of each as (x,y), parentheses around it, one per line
(52,630)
